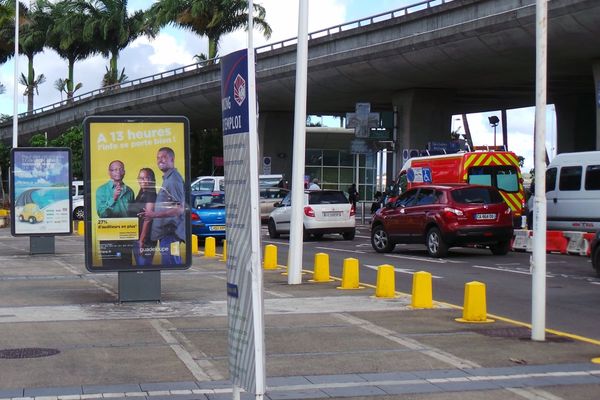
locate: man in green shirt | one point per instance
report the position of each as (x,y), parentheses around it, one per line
(113,198)
(112,201)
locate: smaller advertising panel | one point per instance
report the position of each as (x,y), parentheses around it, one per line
(139,189)
(41,191)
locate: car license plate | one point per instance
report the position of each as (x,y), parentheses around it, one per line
(217,228)
(485,216)
(332,213)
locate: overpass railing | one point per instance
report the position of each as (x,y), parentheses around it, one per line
(423,5)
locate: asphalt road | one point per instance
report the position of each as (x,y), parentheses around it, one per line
(573,288)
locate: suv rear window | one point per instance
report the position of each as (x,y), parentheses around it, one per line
(476,196)
(327,197)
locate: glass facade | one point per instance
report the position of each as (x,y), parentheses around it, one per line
(336,170)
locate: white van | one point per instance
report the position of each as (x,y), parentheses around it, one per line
(208,184)
(217,183)
(573,192)
(77,199)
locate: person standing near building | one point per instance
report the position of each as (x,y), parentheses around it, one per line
(314,185)
(168,216)
(353,195)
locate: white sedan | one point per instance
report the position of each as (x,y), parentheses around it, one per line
(324,211)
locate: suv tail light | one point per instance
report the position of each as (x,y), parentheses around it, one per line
(453,212)
(352,211)
(309,212)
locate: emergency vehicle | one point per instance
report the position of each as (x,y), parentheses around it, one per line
(483,166)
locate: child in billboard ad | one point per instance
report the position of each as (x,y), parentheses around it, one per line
(139,185)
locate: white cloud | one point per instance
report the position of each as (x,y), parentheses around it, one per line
(282,16)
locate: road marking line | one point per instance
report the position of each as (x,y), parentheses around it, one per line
(508,270)
(401,270)
(194,360)
(342,250)
(431,260)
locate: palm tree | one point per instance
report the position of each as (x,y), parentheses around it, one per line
(33,25)
(65,36)
(110,29)
(65,86)
(31,85)
(2,88)
(210,18)
(6,24)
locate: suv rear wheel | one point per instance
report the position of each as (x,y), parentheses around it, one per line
(500,248)
(436,247)
(380,240)
(273,234)
(349,235)
(596,260)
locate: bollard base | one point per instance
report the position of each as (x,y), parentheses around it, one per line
(350,288)
(466,321)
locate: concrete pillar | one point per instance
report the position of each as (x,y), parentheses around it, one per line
(424,115)
(596,71)
(576,123)
(275,136)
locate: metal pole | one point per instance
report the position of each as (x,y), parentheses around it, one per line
(357,170)
(296,224)
(15,140)
(538,259)
(395,144)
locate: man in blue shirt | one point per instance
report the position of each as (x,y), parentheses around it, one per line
(168,226)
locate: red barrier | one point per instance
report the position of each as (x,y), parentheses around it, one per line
(555,241)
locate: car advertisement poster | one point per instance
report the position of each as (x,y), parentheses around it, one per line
(41,191)
(138,179)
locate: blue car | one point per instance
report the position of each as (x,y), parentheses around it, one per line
(208,214)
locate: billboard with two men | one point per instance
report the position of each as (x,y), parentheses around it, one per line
(138,179)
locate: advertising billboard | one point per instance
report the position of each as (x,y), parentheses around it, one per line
(137,193)
(41,191)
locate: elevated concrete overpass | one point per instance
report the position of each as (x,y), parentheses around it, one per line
(429,62)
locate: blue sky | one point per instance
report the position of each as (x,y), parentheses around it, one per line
(174,48)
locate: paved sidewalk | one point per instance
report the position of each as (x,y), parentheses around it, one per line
(65,336)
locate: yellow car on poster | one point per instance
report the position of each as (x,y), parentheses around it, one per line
(31,213)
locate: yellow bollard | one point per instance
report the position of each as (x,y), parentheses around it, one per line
(194,244)
(224,258)
(321,270)
(386,282)
(270,260)
(81,228)
(350,275)
(475,308)
(421,290)
(210,247)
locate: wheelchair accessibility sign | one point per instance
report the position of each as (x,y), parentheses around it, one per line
(419,175)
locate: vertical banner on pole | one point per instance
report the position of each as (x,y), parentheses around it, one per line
(244,279)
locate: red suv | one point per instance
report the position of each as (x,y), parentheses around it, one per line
(443,216)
